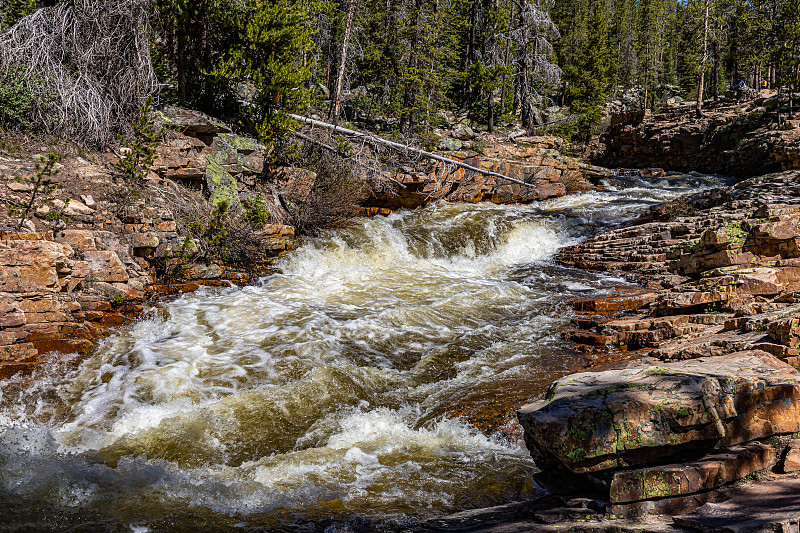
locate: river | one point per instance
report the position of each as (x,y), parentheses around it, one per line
(370,385)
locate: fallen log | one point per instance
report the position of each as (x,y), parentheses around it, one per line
(398,146)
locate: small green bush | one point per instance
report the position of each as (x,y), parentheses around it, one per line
(41,183)
(256,212)
(135,165)
(16,101)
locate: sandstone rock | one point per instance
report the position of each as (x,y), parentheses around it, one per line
(78,239)
(625,418)
(18,186)
(605,306)
(791,462)
(193,123)
(463,132)
(10,312)
(143,240)
(786,331)
(710,472)
(88,200)
(29,279)
(76,208)
(277,229)
(105,265)
(201,271)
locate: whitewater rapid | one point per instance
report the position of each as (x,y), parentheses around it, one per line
(371,384)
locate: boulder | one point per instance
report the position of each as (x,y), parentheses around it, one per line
(450,145)
(105,266)
(463,132)
(713,471)
(76,208)
(598,421)
(231,154)
(193,123)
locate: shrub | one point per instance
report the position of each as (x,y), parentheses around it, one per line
(41,183)
(135,165)
(256,212)
(17,100)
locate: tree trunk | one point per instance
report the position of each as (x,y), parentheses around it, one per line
(490,49)
(469,56)
(181,71)
(345,45)
(715,71)
(409,97)
(506,61)
(703,59)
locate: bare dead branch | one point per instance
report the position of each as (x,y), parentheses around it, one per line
(86,62)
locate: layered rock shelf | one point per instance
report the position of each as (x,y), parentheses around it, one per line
(534,160)
(736,139)
(91,256)
(709,391)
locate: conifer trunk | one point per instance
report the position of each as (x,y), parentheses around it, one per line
(704,58)
(345,45)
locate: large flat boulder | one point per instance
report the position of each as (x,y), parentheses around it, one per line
(616,419)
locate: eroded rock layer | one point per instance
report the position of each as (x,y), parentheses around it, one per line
(712,396)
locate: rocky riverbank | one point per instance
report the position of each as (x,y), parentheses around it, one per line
(708,397)
(94,248)
(536,161)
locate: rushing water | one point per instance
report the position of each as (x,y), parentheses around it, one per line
(370,385)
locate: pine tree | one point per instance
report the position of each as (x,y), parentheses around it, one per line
(265,49)
(591,81)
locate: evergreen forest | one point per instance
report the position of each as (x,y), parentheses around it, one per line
(395,65)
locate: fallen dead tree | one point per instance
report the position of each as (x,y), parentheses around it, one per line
(406,149)
(85,65)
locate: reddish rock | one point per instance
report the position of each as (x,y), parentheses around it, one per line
(710,472)
(624,418)
(791,462)
(78,239)
(610,305)
(105,265)
(11,314)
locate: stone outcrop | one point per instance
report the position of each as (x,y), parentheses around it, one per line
(599,421)
(201,152)
(536,161)
(712,396)
(649,437)
(719,280)
(732,139)
(82,267)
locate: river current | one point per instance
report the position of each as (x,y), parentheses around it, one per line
(370,385)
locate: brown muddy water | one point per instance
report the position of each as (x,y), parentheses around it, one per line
(369,386)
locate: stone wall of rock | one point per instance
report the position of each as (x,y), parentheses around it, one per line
(79,268)
(735,140)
